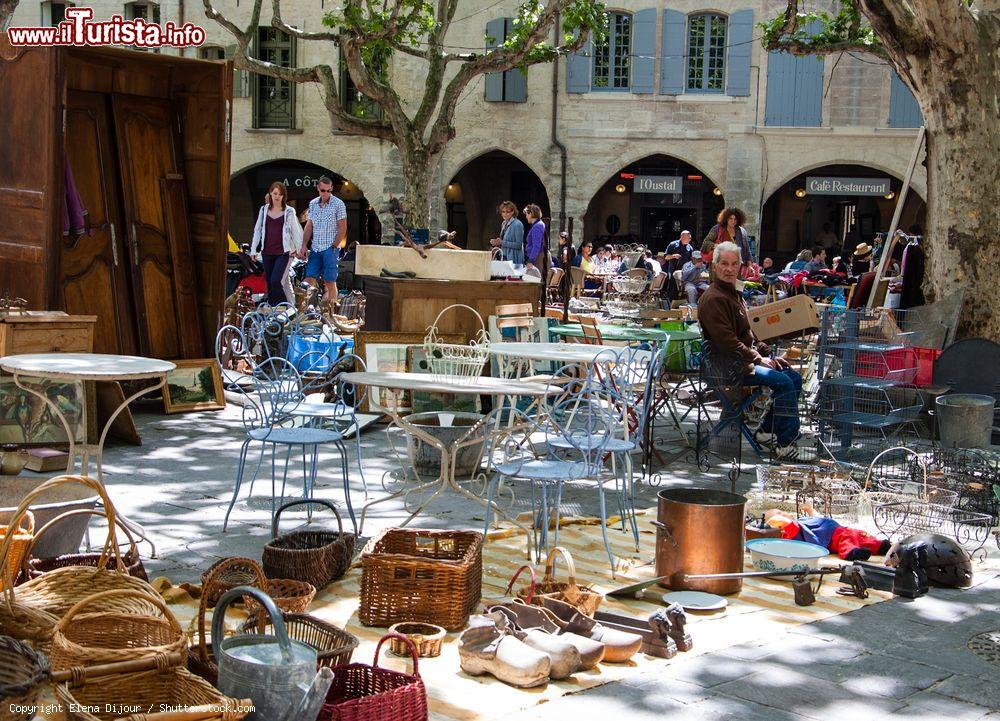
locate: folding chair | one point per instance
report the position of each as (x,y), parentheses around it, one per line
(724,376)
(591,333)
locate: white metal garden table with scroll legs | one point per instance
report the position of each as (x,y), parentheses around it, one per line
(71,367)
(437,383)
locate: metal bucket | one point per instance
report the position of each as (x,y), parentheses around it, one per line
(426,459)
(965,420)
(54,503)
(700,531)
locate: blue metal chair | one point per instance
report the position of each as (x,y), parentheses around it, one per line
(566,441)
(725,376)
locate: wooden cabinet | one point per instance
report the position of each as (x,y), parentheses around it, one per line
(46,332)
(411,306)
(146,138)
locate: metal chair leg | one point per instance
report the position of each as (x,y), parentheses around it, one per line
(347,484)
(239,481)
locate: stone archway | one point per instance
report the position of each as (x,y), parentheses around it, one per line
(621,212)
(480,185)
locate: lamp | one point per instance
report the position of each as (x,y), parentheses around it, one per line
(800,193)
(716,191)
(620,188)
(890,195)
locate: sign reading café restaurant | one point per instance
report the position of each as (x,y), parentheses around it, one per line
(820,185)
(657,184)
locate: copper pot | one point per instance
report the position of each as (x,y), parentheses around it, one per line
(699,531)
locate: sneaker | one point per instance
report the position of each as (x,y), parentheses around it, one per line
(787,453)
(764,438)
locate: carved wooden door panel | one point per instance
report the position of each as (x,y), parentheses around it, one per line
(94,267)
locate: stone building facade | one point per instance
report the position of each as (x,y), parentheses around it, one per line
(683,89)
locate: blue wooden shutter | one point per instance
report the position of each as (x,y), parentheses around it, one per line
(494,81)
(578,69)
(673,52)
(740,44)
(904,112)
(515,82)
(795,88)
(643,50)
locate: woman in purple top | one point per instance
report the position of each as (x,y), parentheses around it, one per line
(534,242)
(276,236)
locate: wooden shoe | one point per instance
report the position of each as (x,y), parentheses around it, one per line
(563,655)
(487,648)
(591,651)
(619,646)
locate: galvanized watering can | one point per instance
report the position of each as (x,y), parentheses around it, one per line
(279,674)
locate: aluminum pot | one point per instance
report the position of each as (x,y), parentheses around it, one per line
(699,531)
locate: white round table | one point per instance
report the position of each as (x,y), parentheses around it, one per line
(437,383)
(556,352)
(72,367)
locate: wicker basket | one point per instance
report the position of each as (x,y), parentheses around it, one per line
(227,574)
(31,611)
(426,638)
(200,658)
(370,693)
(22,671)
(35,567)
(87,638)
(314,556)
(20,541)
(582,598)
(334,646)
(421,575)
(161,680)
(288,595)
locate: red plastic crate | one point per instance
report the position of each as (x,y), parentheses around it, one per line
(925,365)
(912,365)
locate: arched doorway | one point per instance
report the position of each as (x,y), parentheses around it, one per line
(472,196)
(836,206)
(651,201)
(248,188)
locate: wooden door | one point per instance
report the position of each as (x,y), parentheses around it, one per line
(146,130)
(94,268)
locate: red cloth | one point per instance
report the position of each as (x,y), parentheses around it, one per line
(255,283)
(846,540)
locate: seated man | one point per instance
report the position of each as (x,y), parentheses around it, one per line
(694,284)
(725,325)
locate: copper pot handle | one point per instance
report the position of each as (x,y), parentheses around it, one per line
(666,530)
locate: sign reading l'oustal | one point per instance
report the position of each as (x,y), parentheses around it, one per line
(846,186)
(657,184)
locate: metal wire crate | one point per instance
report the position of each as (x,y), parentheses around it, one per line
(902,518)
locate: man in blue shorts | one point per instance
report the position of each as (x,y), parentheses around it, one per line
(325,231)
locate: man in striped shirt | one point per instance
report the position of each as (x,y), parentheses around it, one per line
(324,234)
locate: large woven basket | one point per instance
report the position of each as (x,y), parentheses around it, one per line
(201,661)
(371,693)
(318,557)
(22,672)
(288,595)
(334,646)
(162,681)
(20,541)
(421,575)
(87,638)
(31,611)
(582,598)
(35,567)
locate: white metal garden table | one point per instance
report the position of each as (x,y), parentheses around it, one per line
(437,383)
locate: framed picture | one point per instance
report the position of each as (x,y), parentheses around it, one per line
(386,352)
(28,420)
(195,385)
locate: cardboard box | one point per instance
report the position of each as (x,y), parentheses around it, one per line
(788,317)
(440,263)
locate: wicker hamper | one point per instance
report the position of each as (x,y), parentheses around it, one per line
(315,556)
(421,575)
(334,646)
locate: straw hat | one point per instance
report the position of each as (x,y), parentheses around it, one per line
(862,250)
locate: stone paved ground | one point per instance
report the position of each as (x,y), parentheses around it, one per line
(900,659)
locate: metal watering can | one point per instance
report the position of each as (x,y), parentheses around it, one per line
(279,674)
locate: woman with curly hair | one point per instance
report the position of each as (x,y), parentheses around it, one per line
(729,228)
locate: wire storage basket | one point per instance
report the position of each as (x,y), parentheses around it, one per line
(448,360)
(628,285)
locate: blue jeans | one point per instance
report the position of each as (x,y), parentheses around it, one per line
(783,417)
(275,267)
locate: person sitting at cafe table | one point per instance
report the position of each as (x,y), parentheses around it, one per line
(584,258)
(818,261)
(691,278)
(726,328)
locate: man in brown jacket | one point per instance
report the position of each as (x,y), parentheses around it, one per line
(725,325)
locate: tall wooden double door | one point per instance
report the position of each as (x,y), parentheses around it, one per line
(134,267)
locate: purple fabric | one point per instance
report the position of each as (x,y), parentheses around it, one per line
(535,242)
(74,222)
(273,228)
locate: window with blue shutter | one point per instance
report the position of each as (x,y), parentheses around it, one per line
(578,69)
(740,44)
(795,88)
(510,86)
(673,52)
(612,58)
(904,112)
(706,68)
(643,50)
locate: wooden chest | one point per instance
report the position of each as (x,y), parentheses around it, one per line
(46,332)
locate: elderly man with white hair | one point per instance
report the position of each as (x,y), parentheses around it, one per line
(725,325)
